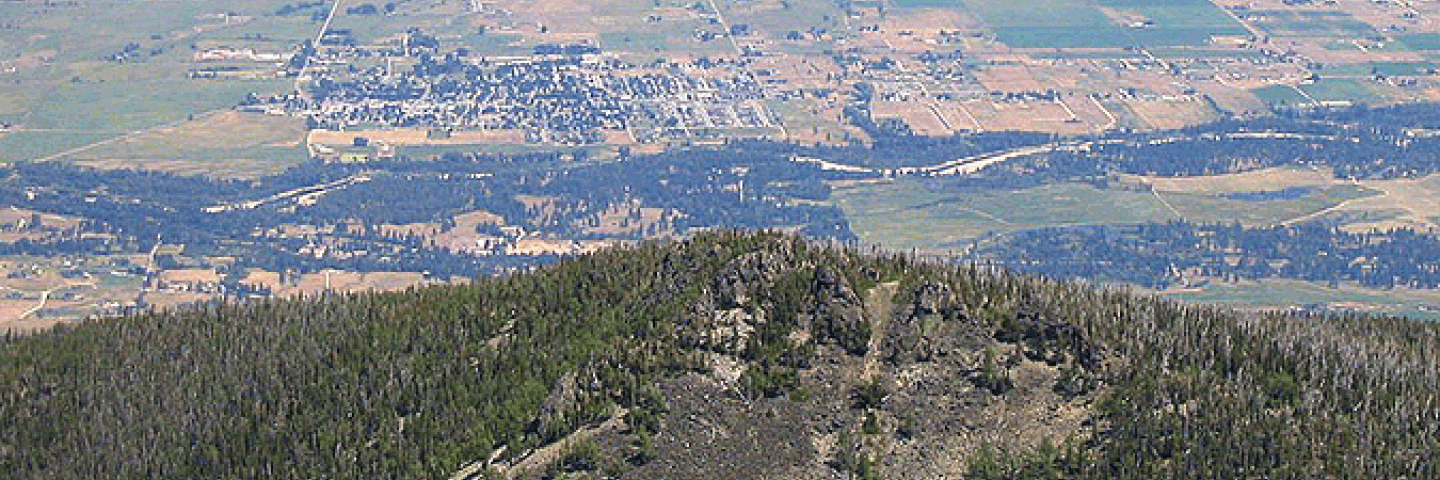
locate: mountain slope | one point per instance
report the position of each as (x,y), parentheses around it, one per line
(728,355)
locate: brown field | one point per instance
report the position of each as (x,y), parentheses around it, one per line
(539,246)
(10,321)
(799,71)
(313,283)
(463,238)
(1409,203)
(228,128)
(1009,79)
(1415,201)
(163,299)
(1026,115)
(1173,112)
(917,114)
(24,281)
(1260,180)
(238,168)
(190,276)
(223,144)
(12,217)
(958,113)
(1089,111)
(416,136)
(617,221)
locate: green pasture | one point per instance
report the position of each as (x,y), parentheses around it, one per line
(913,213)
(1402,68)
(132,104)
(16,146)
(1284,293)
(1201,53)
(921,213)
(498,44)
(84,96)
(1340,90)
(665,38)
(1211,208)
(1421,41)
(1286,23)
(1082,24)
(801,17)
(1108,36)
(1280,96)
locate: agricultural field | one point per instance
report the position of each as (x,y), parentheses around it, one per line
(1284,294)
(924,215)
(77,87)
(75,75)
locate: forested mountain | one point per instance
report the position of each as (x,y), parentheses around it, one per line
(727,355)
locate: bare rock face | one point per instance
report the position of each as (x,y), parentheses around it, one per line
(727,314)
(930,325)
(747,274)
(1049,340)
(838,315)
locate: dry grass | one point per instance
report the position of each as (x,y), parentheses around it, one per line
(1269,179)
(1172,113)
(917,114)
(190,276)
(313,283)
(417,136)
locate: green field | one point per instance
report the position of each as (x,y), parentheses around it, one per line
(1284,293)
(1340,90)
(1421,41)
(1281,96)
(85,95)
(1083,24)
(911,214)
(497,44)
(1287,23)
(1208,207)
(16,146)
(916,213)
(1403,68)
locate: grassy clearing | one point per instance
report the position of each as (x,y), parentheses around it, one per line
(919,214)
(1284,293)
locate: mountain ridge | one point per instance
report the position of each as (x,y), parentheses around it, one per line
(725,355)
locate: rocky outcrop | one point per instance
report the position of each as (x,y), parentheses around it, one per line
(837,314)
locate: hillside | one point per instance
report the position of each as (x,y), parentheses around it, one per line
(728,355)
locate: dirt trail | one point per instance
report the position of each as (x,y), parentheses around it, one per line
(879,306)
(539,458)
